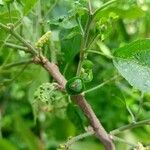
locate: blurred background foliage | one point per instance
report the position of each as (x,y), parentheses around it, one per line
(120,23)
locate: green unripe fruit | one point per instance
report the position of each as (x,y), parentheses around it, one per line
(86,75)
(75,86)
(87,64)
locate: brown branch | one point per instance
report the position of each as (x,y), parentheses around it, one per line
(99,130)
(52,69)
(80,100)
(72,140)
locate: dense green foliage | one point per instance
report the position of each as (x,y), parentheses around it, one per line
(34,114)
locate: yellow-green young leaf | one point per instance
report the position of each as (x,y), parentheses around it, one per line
(133,62)
(43,40)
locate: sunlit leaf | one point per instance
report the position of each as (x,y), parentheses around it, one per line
(133,62)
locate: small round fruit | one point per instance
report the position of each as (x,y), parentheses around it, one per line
(87,64)
(75,86)
(87,75)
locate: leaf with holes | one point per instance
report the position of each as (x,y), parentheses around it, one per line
(44,98)
(133,62)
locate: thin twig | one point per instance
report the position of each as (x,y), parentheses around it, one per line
(130,112)
(6,59)
(103,6)
(77,138)
(130,126)
(127,107)
(17,36)
(16,76)
(14,46)
(140,106)
(80,25)
(16,25)
(20,72)
(50,9)
(17,64)
(118,139)
(101,85)
(90,7)
(100,53)
(84,42)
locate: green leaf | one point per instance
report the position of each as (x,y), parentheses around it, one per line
(5,16)
(138,51)
(70,43)
(8,1)
(74,116)
(28,5)
(133,12)
(6,145)
(26,135)
(133,62)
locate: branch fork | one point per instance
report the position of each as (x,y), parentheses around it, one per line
(80,100)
